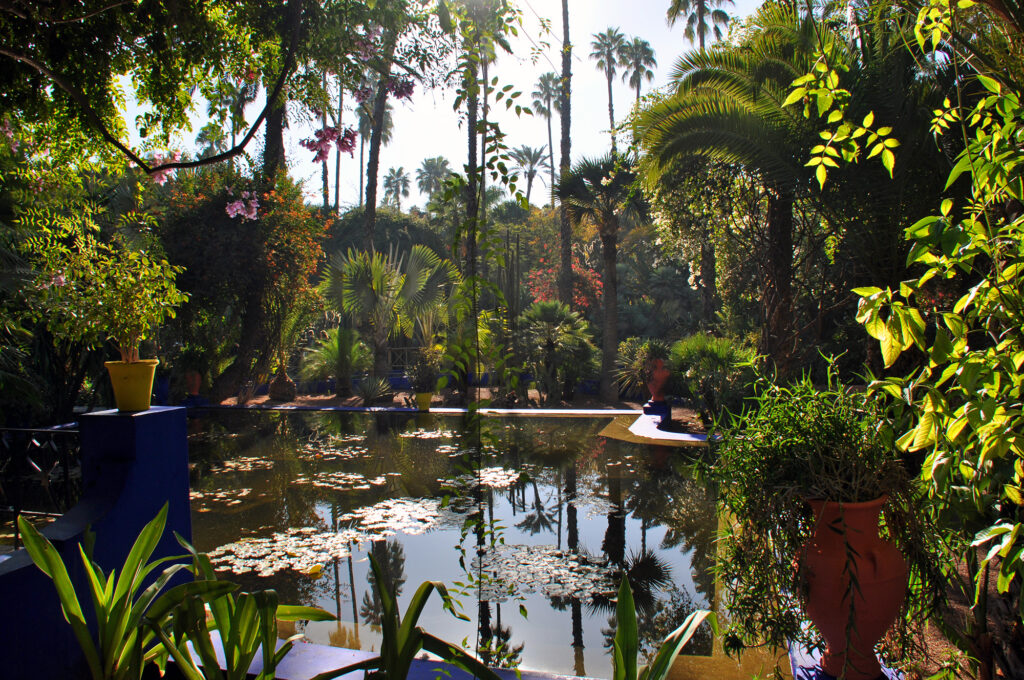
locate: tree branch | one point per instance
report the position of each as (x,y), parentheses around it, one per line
(94,119)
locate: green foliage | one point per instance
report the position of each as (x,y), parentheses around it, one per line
(385,293)
(626,644)
(338,354)
(402,639)
(425,372)
(715,373)
(88,289)
(797,443)
(959,405)
(633,363)
(128,617)
(372,389)
(558,347)
(245,624)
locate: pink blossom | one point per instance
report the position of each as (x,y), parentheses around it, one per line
(246,206)
(58,280)
(160,176)
(324,137)
(401,88)
(363,94)
(8,131)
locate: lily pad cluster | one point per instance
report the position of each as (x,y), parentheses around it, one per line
(427,434)
(411,516)
(302,549)
(242,464)
(525,569)
(489,478)
(340,481)
(203,500)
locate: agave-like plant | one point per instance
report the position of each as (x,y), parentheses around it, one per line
(402,639)
(128,617)
(626,644)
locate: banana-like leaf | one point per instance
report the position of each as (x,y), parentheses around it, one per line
(625,644)
(674,644)
(458,657)
(368,664)
(290,612)
(50,563)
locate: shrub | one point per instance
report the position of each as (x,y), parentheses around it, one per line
(713,373)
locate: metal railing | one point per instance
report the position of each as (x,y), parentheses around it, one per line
(40,473)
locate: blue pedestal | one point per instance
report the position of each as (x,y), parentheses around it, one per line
(658,408)
(132,464)
(806,665)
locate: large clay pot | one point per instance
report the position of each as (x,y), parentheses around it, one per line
(132,383)
(659,374)
(423,400)
(849,531)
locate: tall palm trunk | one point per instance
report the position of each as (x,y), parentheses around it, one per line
(611,110)
(337,150)
(565,106)
(472,195)
(551,158)
(362,148)
(324,176)
(610,341)
(380,101)
(777,297)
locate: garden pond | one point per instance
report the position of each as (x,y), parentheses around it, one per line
(530,521)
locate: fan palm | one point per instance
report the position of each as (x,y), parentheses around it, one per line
(557,343)
(396,185)
(606,50)
(431,175)
(637,58)
(530,161)
(545,102)
(703,17)
(385,292)
(728,107)
(601,192)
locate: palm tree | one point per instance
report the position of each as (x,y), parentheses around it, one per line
(545,101)
(530,161)
(396,185)
(384,293)
(565,115)
(637,58)
(606,50)
(365,114)
(697,13)
(432,174)
(728,107)
(600,192)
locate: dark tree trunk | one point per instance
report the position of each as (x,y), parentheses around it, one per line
(551,157)
(565,106)
(380,101)
(777,296)
(362,149)
(708,280)
(273,148)
(610,340)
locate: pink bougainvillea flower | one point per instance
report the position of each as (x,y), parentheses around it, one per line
(324,137)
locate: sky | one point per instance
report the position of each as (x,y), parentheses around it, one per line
(427,126)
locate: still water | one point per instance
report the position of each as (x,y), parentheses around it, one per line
(530,521)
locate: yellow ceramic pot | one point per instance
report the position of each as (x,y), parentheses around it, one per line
(423,400)
(132,383)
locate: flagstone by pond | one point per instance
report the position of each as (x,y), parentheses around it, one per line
(536,514)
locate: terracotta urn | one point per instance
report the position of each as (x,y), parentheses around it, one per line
(659,376)
(849,531)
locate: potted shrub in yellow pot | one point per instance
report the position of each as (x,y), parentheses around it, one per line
(91,290)
(136,294)
(424,374)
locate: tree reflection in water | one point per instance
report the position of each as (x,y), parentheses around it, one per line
(390,555)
